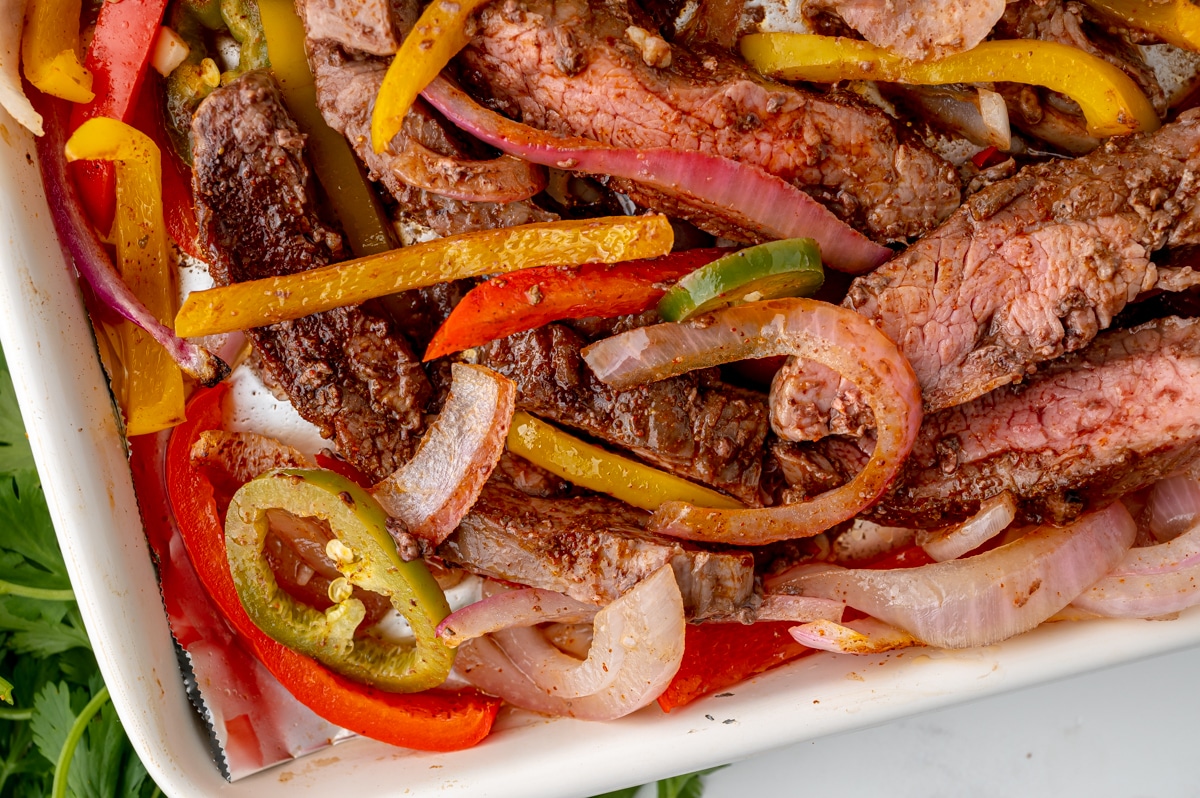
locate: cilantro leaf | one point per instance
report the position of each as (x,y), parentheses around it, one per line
(15,454)
(41,627)
(30,550)
(689,785)
(52,719)
(628,792)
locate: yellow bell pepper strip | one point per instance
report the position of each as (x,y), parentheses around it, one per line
(790,267)
(365,555)
(256,303)
(341,176)
(1112,103)
(589,466)
(1174,21)
(147,382)
(437,37)
(50,50)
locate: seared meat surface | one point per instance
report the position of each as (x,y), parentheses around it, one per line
(368,26)
(693,424)
(1085,430)
(1030,268)
(591,548)
(350,373)
(917,29)
(571,67)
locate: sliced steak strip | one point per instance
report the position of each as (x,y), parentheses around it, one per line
(917,29)
(593,549)
(346,89)
(1084,431)
(693,425)
(572,67)
(350,373)
(1029,268)
(369,26)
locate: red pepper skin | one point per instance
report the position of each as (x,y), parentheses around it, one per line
(118,58)
(179,209)
(435,720)
(530,298)
(339,466)
(719,655)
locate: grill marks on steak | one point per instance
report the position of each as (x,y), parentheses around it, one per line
(1032,267)
(348,372)
(1084,431)
(568,66)
(693,424)
(593,549)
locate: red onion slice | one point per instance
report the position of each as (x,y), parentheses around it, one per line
(760,201)
(832,336)
(1174,506)
(993,517)
(1149,582)
(864,636)
(990,597)
(642,631)
(508,608)
(81,246)
(433,491)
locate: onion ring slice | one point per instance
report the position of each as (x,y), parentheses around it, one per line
(832,336)
(433,491)
(987,598)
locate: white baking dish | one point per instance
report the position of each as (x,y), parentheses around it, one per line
(65,400)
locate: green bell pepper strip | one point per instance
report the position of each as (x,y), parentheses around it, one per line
(198,75)
(365,555)
(791,267)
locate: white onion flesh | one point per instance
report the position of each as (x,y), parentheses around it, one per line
(512,608)
(994,112)
(640,634)
(435,489)
(1149,582)
(835,337)
(170,50)
(245,455)
(12,94)
(991,597)
(864,636)
(993,517)
(1174,506)
(799,609)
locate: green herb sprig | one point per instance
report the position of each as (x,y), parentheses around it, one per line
(59,734)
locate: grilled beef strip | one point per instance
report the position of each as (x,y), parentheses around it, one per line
(694,424)
(593,549)
(1028,269)
(366,26)
(1084,431)
(571,67)
(917,29)
(349,372)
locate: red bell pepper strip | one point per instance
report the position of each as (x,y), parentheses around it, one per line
(435,720)
(117,58)
(719,655)
(527,299)
(179,209)
(344,467)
